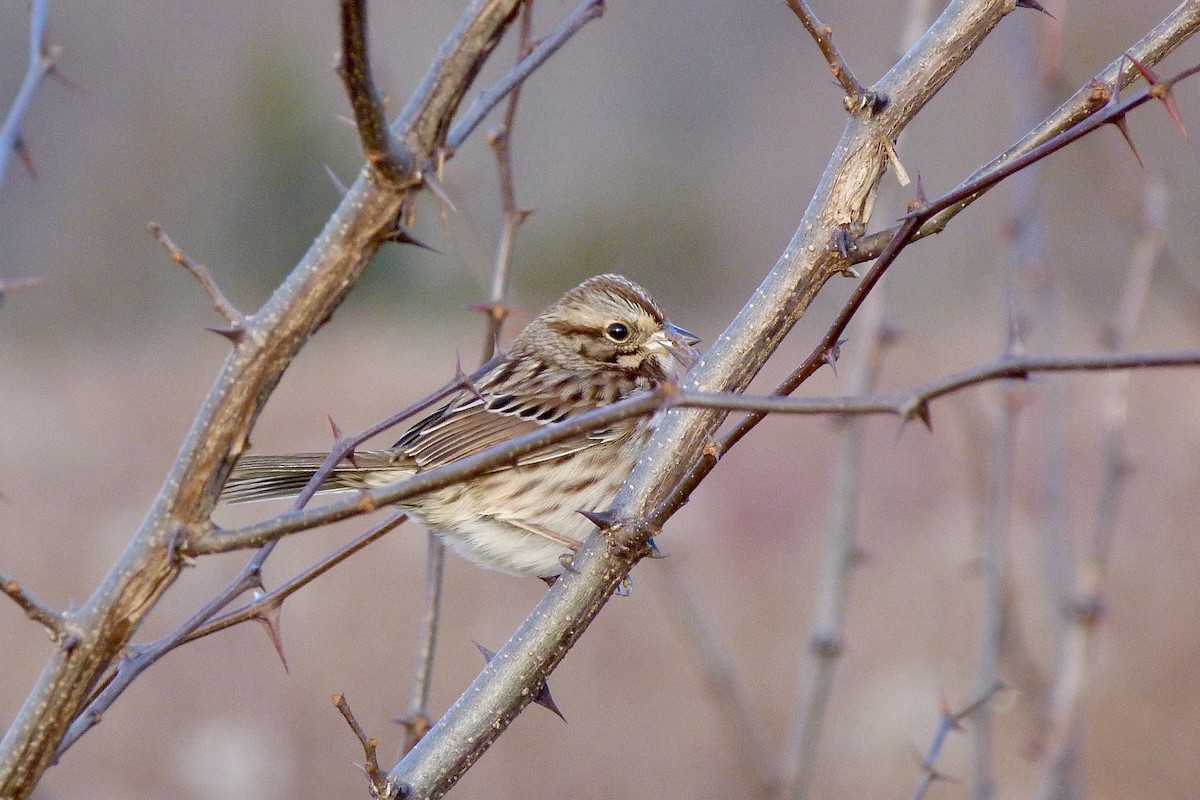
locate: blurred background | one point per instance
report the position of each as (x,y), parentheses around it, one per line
(678,145)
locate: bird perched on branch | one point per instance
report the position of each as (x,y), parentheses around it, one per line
(603,341)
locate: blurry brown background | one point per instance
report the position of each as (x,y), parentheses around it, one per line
(677,143)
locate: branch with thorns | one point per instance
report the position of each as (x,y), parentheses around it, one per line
(1090,98)
(950,721)
(43,61)
(235,318)
(858,99)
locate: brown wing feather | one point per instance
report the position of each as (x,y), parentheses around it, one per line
(463,429)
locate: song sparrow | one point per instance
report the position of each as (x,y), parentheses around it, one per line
(603,341)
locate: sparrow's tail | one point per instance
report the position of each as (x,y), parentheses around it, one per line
(263,477)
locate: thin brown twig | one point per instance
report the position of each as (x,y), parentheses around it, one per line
(381,786)
(499,140)
(858,99)
(295,584)
(136,660)
(354,67)
(841,554)
(202,623)
(344,446)
(235,318)
(1025,265)
(908,405)
(583,13)
(54,622)
(417,721)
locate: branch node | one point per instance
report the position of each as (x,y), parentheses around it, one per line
(382,786)
(354,68)
(54,622)
(858,100)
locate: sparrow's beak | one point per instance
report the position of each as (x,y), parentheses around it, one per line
(679,344)
(689,338)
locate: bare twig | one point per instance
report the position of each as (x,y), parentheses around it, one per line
(381,787)
(202,623)
(42,60)
(584,13)
(745,734)
(235,318)
(361,502)
(499,139)
(1025,266)
(841,553)
(285,590)
(54,622)
(1150,49)
(344,446)
(950,721)
(911,404)
(136,660)
(417,721)
(858,100)
(1085,608)
(354,67)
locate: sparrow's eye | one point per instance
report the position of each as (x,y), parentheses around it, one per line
(617,331)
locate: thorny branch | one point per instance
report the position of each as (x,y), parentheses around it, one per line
(178,523)
(381,787)
(950,721)
(683,437)
(42,61)
(1150,49)
(151,562)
